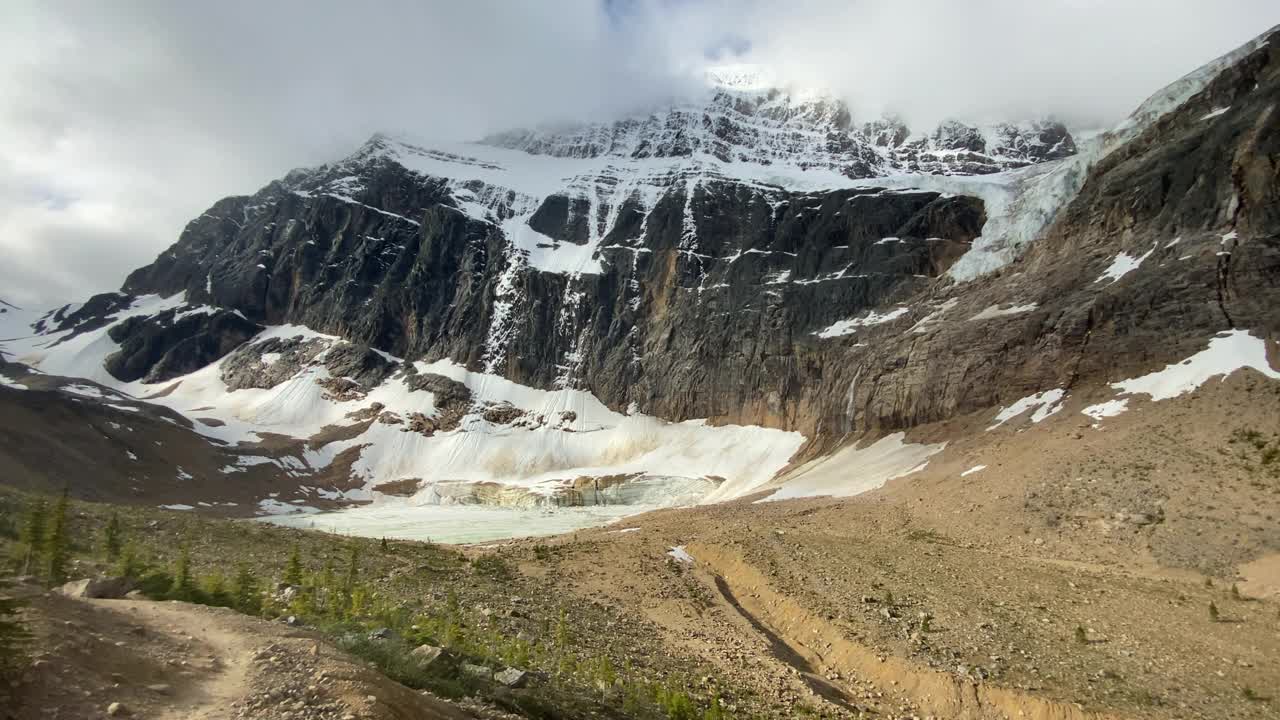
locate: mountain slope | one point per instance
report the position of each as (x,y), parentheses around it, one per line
(545,307)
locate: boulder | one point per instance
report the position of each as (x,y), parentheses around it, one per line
(512,677)
(103,587)
(425,655)
(477,671)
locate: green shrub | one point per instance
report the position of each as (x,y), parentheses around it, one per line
(14,636)
(493,566)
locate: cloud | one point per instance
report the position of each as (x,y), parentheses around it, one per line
(1088,62)
(119,122)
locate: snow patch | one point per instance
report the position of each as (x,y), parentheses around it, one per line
(848,327)
(1123,264)
(854,470)
(1107,409)
(680,554)
(972,470)
(1228,352)
(1043,403)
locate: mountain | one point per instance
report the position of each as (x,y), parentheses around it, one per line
(699,303)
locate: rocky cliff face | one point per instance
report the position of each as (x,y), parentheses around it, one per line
(733,260)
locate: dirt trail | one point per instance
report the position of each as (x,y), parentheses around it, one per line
(175,661)
(229,650)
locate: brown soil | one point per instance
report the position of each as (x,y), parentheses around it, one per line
(173,660)
(1067,580)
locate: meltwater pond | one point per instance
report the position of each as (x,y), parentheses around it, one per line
(458,524)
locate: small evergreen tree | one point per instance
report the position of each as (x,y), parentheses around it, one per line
(353,576)
(32,535)
(293,569)
(1081,636)
(130,564)
(247,599)
(215,592)
(1213,611)
(384,544)
(111,538)
(1235,592)
(56,546)
(183,588)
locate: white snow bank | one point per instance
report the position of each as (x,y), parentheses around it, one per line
(1107,409)
(972,470)
(854,470)
(1044,403)
(1228,352)
(564,434)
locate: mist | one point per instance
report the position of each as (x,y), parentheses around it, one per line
(120,122)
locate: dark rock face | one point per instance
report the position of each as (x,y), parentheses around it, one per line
(564,219)
(675,308)
(270,362)
(173,343)
(358,363)
(721,298)
(447,391)
(96,312)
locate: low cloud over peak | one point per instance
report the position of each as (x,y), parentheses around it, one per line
(119,122)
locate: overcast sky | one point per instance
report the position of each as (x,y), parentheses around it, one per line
(122,120)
